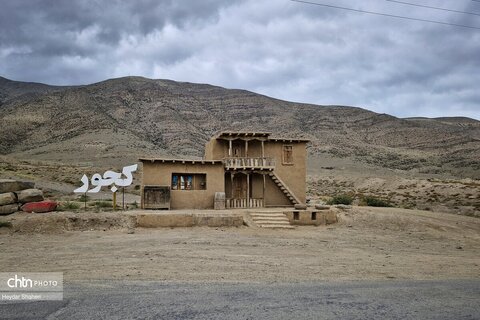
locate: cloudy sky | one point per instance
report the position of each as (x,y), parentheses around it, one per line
(288,50)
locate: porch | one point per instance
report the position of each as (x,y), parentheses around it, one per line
(245,189)
(243,203)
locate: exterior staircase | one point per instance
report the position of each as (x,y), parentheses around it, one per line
(289,194)
(272,220)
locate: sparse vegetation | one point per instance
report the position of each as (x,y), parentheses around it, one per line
(83,198)
(376,202)
(340,199)
(437,194)
(103,204)
(69,205)
(5,224)
(134,205)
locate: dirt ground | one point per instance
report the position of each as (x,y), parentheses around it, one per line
(366,244)
(326,177)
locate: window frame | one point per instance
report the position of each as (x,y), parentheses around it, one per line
(188,181)
(284,157)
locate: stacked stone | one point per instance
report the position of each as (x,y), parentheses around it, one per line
(14,194)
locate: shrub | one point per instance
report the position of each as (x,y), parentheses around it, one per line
(376,202)
(83,198)
(134,205)
(5,224)
(69,205)
(341,199)
(103,204)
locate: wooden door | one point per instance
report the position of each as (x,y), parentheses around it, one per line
(156,197)
(240,187)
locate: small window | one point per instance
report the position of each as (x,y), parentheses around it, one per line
(287,155)
(296,215)
(314,215)
(189,181)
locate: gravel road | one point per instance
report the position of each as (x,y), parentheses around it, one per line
(449,299)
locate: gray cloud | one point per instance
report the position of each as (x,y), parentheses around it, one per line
(284,49)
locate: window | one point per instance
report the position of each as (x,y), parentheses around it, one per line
(296,215)
(287,155)
(189,181)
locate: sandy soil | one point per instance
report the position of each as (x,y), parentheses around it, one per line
(367,243)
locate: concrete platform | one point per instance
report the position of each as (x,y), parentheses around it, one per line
(311,216)
(230,217)
(188,218)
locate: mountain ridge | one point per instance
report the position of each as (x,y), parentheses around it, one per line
(136,115)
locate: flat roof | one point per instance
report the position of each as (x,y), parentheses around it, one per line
(228,134)
(234,134)
(189,161)
(288,140)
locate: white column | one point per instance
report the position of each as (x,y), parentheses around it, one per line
(231,185)
(248,190)
(264,189)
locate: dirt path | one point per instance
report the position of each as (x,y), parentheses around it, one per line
(367,243)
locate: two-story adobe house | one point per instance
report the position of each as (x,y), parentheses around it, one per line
(252,169)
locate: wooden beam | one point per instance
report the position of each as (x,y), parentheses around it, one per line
(248,190)
(264,189)
(231,185)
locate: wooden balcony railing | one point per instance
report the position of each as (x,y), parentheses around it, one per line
(243,203)
(249,163)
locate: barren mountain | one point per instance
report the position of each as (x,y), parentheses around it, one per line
(133,116)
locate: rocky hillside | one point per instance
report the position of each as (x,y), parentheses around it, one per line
(128,117)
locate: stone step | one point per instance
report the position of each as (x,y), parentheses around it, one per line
(285,219)
(270,220)
(283,222)
(266,212)
(277,226)
(267,215)
(255,218)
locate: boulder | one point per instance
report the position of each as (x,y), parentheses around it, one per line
(300,206)
(40,207)
(8,185)
(322,207)
(7,198)
(343,207)
(29,195)
(8,209)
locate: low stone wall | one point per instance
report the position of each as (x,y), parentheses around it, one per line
(311,217)
(59,222)
(174,219)
(15,194)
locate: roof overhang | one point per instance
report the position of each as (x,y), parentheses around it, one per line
(181,161)
(233,134)
(288,140)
